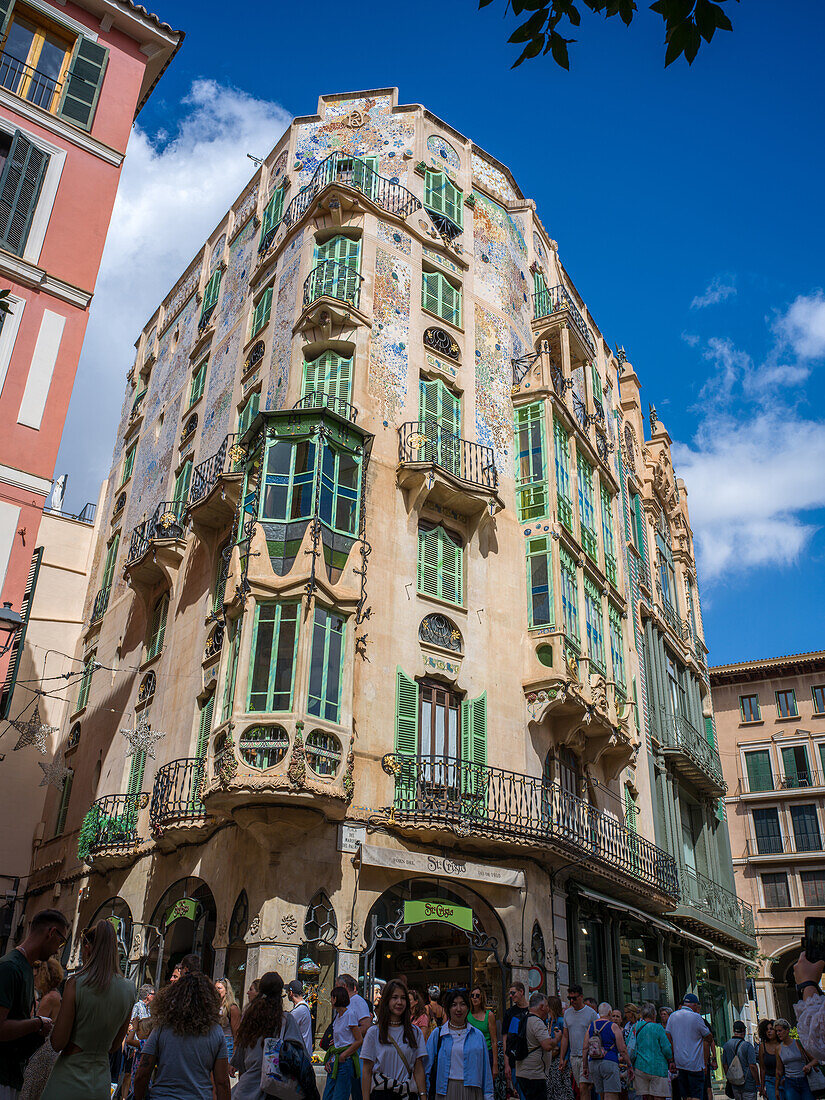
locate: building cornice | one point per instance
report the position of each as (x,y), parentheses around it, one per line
(57,126)
(21,480)
(21,271)
(764,668)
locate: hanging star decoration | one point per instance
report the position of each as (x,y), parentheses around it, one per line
(33,732)
(54,773)
(142,738)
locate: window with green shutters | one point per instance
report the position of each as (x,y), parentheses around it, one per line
(81,88)
(587,509)
(541,300)
(157,628)
(806,830)
(638,524)
(439,414)
(607,536)
(539,582)
(204,727)
(474,750)
(569,597)
(261,311)
(198,382)
(272,664)
(614,619)
(767,830)
(749,708)
(86,681)
(406,738)
(532,495)
(137,768)
(182,480)
(219,587)
(234,632)
(561,454)
(210,297)
(248,412)
(326,665)
(595,627)
(128,463)
(63,808)
(441,297)
(796,766)
(440,564)
(786,704)
(337,264)
(273,212)
(20,185)
(441,196)
(758,767)
(108,571)
(328,373)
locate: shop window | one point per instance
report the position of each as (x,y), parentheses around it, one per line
(561,459)
(813,887)
(323,754)
(531,462)
(440,563)
(326,665)
(441,297)
(758,767)
(272,664)
(157,628)
(263,746)
(786,704)
(539,582)
(775,890)
(749,708)
(587,508)
(595,625)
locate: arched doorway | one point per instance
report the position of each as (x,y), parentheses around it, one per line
(784,988)
(317,965)
(186,918)
(236,952)
(117,912)
(436,934)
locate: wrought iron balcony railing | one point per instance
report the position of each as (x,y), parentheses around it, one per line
(580,412)
(176,794)
(317,399)
(333,280)
(802,781)
(672,617)
(426,441)
(110,826)
(643,572)
(554,299)
(678,734)
(472,800)
(709,897)
(797,845)
(101,603)
(355,173)
(29,83)
(165,523)
(206,473)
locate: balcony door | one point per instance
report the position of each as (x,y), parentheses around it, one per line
(807,835)
(767,831)
(341,259)
(439,741)
(439,414)
(796,766)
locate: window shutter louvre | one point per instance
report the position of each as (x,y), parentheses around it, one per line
(760,776)
(260,314)
(181,492)
(474,753)
(135,785)
(428,561)
(111,558)
(406,736)
(273,212)
(205,727)
(5,14)
(20,185)
(17,644)
(450,568)
(83,83)
(211,291)
(63,809)
(330,373)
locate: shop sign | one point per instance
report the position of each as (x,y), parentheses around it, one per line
(443,866)
(419,912)
(186,907)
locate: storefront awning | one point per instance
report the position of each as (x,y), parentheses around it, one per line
(740,960)
(625,908)
(401,859)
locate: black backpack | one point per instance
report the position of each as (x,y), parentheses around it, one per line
(517,1043)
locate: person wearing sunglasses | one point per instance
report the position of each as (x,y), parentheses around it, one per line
(484,1019)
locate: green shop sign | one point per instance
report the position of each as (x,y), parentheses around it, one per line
(419,912)
(186,907)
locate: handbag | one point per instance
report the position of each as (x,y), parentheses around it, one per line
(278,1079)
(383,1083)
(816,1080)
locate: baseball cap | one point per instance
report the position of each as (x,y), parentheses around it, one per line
(690,999)
(296,987)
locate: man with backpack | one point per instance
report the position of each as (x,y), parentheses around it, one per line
(513,1017)
(532,1047)
(741,1064)
(602,1050)
(577,1019)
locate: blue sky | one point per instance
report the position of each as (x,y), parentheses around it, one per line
(687,204)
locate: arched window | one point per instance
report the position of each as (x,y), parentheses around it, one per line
(157,628)
(538,955)
(442,343)
(320,925)
(146,691)
(630,446)
(438,630)
(213,643)
(236,951)
(190,427)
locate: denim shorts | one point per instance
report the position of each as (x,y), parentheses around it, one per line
(691,1084)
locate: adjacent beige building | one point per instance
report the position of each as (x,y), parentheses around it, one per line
(770,716)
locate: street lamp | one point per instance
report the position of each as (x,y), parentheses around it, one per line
(10,623)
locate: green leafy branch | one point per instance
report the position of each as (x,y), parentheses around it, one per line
(687,24)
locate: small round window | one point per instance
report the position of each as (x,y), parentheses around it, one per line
(263,746)
(545,655)
(323,753)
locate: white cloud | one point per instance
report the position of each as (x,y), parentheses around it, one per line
(174,189)
(719,288)
(803,326)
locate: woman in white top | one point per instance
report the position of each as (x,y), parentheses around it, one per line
(342,1063)
(393,1053)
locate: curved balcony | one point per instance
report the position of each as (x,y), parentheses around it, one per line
(356,174)
(157,546)
(706,904)
(177,810)
(329,279)
(317,399)
(482,805)
(555,302)
(109,833)
(690,753)
(216,486)
(437,466)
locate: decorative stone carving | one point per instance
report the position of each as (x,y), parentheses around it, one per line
(297,770)
(289,925)
(254,926)
(355,119)
(351,933)
(598,689)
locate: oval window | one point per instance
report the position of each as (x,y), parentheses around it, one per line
(545,655)
(323,753)
(263,746)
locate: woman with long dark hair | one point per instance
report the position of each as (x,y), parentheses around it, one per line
(458,1067)
(769,1059)
(394,1051)
(342,1064)
(263,1018)
(92,1021)
(186,1049)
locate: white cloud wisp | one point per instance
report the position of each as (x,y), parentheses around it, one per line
(718,290)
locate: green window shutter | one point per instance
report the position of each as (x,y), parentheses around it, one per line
(184,476)
(86,681)
(442,196)
(83,83)
(128,463)
(597,384)
(428,561)
(440,565)
(539,583)
(111,558)
(639,526)
(364,171)
(331,374)
(63,808)
(760,775)
(17,645)
(20,185)
(135,784)
(406,737)
(474,753)
(710,731)
(205,727)
(342,250)
(248,413)
(260,314)
(273,212)
(439,296)
(211,292)
(157,628)
(231,670)
(198,380)
(791,760)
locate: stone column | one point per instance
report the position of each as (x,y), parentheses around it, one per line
(219,968)
(349,962)
(280,957)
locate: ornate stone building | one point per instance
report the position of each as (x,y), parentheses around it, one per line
(373,603)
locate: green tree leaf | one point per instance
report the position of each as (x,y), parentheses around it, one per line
(531,50)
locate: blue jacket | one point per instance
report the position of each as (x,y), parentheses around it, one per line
(477,1073)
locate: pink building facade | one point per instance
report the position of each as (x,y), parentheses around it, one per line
(73,76)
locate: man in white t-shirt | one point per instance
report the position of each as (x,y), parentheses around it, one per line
(688,1031)
(301,1012)
(361,1009)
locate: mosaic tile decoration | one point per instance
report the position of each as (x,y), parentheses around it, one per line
(380,133)
(441,260)
(502,276)
(246,206)
(283,318)
(443,153)
(441,366)
(235,280)
(188,284)
(95,573)
(217,252)
(538,247)
(492,179)
(218,415)
(388,234)
(390,336)
(494,377)
(171,371)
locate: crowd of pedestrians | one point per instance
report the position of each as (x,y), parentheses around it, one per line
(94,1036)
